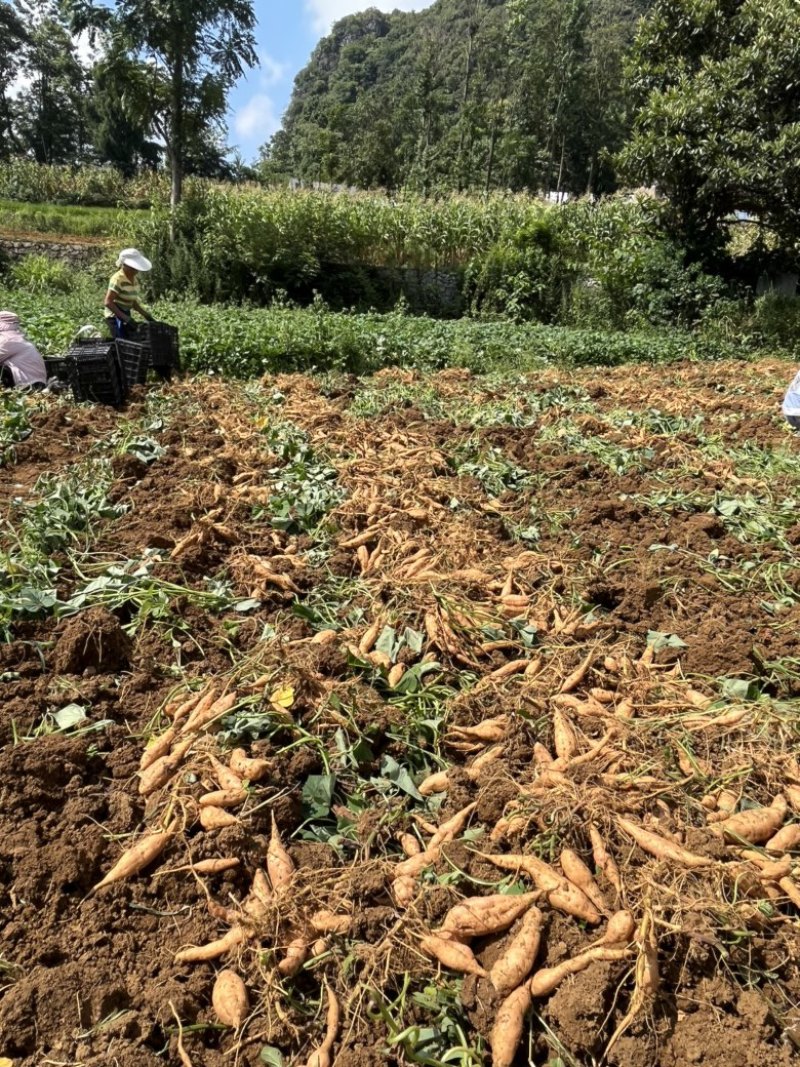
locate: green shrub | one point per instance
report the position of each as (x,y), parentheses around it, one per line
(40,274)
(776,321)
(523,275)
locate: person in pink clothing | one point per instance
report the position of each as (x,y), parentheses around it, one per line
(21,366)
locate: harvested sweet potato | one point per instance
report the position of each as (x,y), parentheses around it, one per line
(516,963)
(280,865)
(137,857)
(451,954)
(550,978)
(508,1026)
(229,999)
(214,949)
(756,825)
(480,916)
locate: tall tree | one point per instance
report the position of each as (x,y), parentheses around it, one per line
(119,133)
(467,94)
(196,50)
(50,111)
(14,37)
(718,91)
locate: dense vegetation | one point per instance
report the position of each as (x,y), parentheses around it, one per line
(246,341)
(154,92)
(606,265)
(468,94)
(716,87)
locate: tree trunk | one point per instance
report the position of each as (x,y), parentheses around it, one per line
(561,168)
(490,163)
(176,140)
(464,101)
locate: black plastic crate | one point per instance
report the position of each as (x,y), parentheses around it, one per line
(164,345)
(98,373)
(134,359)
(61,368)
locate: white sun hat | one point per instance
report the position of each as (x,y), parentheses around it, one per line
(132,257)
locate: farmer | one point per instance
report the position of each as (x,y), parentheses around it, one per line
(791,403)
(21,366)
(123,296)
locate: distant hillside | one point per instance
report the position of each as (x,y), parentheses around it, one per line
(468,94)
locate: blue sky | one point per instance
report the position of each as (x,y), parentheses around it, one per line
(287,33)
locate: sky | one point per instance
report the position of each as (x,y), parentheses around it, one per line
(287,33)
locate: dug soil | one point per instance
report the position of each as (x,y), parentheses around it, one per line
(631,577)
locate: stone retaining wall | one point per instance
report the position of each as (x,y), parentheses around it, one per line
(76,255)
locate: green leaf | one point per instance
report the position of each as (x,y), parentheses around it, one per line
(243,606)
(659,641)
(318,795)
(272,1056)
(393,772)
(387,642)
(414,640)
(739,689)
(411,681)
(69,716)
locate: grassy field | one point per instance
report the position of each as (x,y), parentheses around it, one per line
(531,636)
(62,219)
(243,341)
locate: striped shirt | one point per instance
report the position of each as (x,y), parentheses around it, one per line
(126,293)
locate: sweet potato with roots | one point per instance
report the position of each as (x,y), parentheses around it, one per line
(548,979)
(560,893)
(438,782)
(415,865)
(565,738)
(786,839)
(212,818)
(661,847)
(214,949)
(755,826)
(481,916)
(280,865)
(159,773)
(296,956)
(490,731)
(248,770)
(516,963)
(137,857)
(452,954)
(206,715)
(579,874)
(603,860)
(486,759)
(321,1057)
(158,748)
(508,1026)
(229,999)
(226,778)
(620,930)
(223,798)
(328,922)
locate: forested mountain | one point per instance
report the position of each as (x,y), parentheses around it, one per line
(468,94)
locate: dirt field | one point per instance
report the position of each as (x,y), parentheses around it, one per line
(573,598)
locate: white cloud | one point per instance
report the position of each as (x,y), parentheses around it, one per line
(273,72)
(325,12)
(257,119)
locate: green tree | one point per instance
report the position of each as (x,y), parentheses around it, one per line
(118,133)
(194,51)
(14,38)
(49,113)
(717,85)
